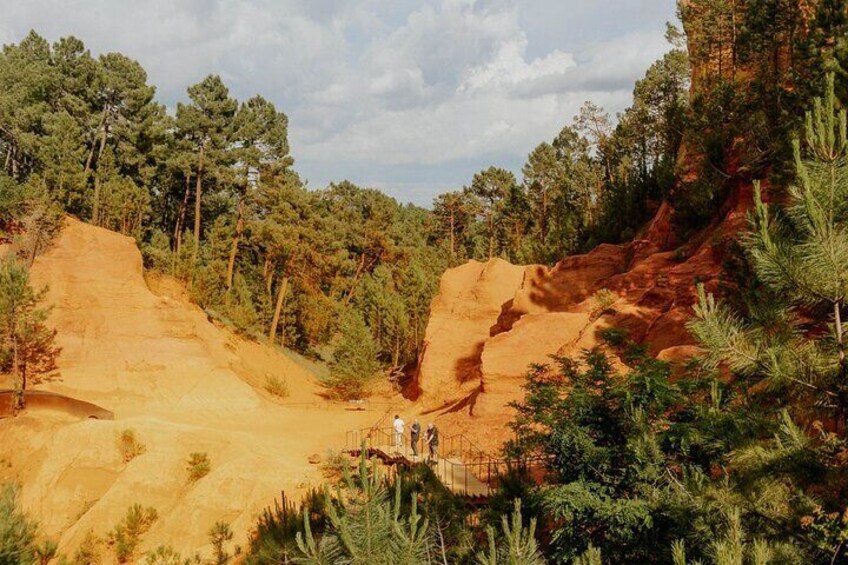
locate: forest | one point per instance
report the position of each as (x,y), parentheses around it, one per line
(341,273)
(740,460)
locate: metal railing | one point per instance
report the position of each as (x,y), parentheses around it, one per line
(462,467)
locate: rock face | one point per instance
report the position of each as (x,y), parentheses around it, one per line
(476,359)
(469,302)
(182,385)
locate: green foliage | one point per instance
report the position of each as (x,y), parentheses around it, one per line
(88,552)
(278,526)
(129,446)
(367,526)
(126,535)
(164,555)
(800,256)
(198,466)
(46,551)
(220,535)
(17,532)
(27,347)
(278,386)
(518,545)
(354,362)
(602,301)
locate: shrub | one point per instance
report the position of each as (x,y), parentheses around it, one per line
(614,337)
(334,465)
(164,555)
(354,361)
(277,386)
(129,446)
(46,551)
(219,535)
(602,301)
(87,553)
(17,532)
(198,466)
(126,535)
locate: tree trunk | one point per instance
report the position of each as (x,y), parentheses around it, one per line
(239,229)
(20,402)
(281,295)
(197,199)
(452,234)
(356,276)
(95,212)
(840,345)
(491,235)
(268,273)
(94,143)
(180,223)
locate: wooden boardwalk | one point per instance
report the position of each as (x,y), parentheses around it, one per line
(457,475)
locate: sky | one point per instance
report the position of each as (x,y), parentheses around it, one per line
(411,97)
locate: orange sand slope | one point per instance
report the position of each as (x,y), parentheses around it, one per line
(183,385)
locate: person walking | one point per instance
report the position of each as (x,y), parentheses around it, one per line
(432,439)
(414,436)
(398,426)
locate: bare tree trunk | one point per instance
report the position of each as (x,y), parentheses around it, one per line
(239,229)
(197,200)
(356,276)
(180,223)
(452,235)
(281,295)
(491,235)
(268,273)
(95,212)
(20,403)
(94,143)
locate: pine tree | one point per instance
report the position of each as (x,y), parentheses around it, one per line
(367,526)
(17,532)
(27,347)
(354,361)
(492,186)
(205,123)
(518,545)
(800,255)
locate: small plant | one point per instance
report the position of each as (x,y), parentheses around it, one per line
(334,465)
(45,551)
(198,466)
(614,337)
(277,386)
(129,446)
(87,553)
(602,301)
(164,555)
(125,537)
(219,535)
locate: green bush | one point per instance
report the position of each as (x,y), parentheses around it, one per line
(126,535)
(277,386)
(354,362)
(198,466)
(17,532)
(129,446)
(602,301)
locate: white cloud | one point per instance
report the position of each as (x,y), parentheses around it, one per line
(386,89)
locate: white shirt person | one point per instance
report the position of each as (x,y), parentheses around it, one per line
(398,425)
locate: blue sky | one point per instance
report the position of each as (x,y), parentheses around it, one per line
(408,97)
